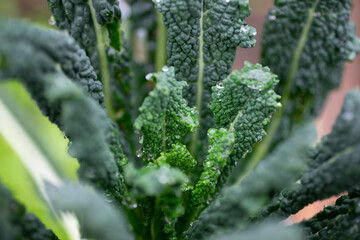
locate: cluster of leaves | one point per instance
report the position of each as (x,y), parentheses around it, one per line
(198,122)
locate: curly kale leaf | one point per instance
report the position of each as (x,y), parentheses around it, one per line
(201,46)
(244,103)
(340,221)
(179,157)
(15,223)
(109,55)
(166,185)
(246,198)
(91,138)
(43,52)
(164,116)
(221,143)
(34,60)
(75,17)
(107,11)
(306,44)
(98,219)
(337,163)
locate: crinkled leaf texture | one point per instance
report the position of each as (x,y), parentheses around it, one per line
(333,165)
(306,43)
(75,16)
(340,221)
(16,223)
(201,46)
(244,103)
(36,61)
(164,183)
(335,162)
(246,198)
(164,117)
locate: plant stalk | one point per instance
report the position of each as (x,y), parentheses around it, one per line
(160,56)
(104,65)
(263,149)
(199,87)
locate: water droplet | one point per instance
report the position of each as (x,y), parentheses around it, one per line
(133,206)
(108,198)
(52,20)
(165,68)
(244,155)
(227,1)
(253,33)
(244,29)
(191,224)
(139,153)
(141,139)
(348,116)
(272,17)
(148,76)
(219,85)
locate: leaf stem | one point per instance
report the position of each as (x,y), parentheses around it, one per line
(263,149)
(160,57)
(104,65)
(199,86)
(155,221)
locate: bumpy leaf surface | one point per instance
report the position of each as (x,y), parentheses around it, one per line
(36,61)
(340,221)
(162,182)
(202,41)
(336,159)
(244,102)
(179,157)
(15,223)
(306,43)
(75,16)
(98,219)
(164,116)
(221,143)
(41,52)
(240,201)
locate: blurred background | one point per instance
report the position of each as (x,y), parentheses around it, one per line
(37,11)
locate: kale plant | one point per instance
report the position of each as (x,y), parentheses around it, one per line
(164,131)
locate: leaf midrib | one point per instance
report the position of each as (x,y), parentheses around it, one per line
(199,84)
(275,123)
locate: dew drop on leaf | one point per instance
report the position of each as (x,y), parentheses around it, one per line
(133,206)
(52,20)
(138,153)
(219,85)
(348,116)
(165,68)
(141,139)
(148,76)
(272,17)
